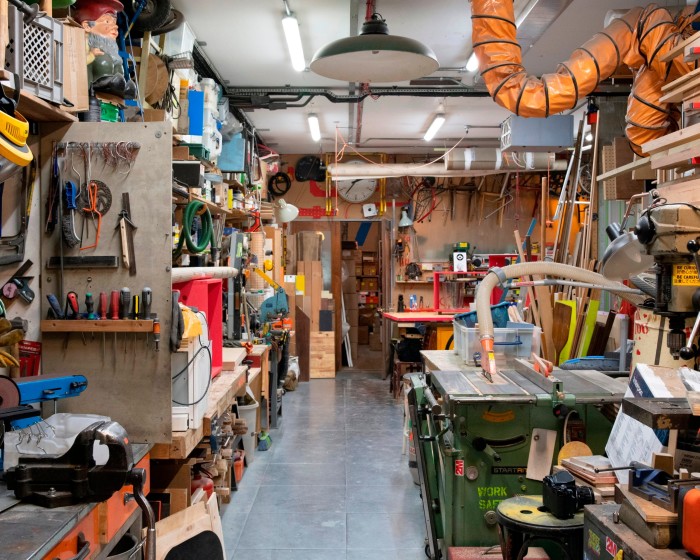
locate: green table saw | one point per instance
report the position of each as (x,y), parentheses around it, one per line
(480,441)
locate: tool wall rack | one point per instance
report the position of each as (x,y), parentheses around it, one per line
(131,385)
(87,325)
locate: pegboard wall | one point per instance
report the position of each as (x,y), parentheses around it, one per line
(127,379)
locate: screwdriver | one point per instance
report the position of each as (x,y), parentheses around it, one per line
(114,312)
(102,310)
(136,312)
(72,312)
(146,301)
(55,307)
(124,301)
(156,333)
(114,305)
(90,307)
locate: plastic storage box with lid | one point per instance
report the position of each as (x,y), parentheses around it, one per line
(509,343)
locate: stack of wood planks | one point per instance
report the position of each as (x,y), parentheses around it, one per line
(315,309)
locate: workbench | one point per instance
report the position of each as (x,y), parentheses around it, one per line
(30,532)
(441,322)
(606,540)
(224,389)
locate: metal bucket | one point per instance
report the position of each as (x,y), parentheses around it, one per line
(126,549)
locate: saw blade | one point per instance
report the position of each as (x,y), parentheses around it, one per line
(9,393)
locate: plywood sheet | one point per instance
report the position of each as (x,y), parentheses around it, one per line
(130,382)
(322,355)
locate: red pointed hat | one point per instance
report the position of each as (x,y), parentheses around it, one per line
(92,10)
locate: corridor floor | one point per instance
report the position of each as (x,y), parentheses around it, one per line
(334,485)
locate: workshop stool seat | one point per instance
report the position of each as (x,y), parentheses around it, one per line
(523,520)
(400,369)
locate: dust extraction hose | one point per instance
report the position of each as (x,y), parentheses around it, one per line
(499,275)
(638,39)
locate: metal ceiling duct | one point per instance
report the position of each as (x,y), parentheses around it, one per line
(473,162)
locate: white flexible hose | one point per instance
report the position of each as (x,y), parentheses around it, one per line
(499,275)
(184,274)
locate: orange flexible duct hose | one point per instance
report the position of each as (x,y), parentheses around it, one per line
(639,39)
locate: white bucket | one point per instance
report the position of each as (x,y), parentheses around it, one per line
(249,413)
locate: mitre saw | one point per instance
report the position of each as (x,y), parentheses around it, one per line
(276,306)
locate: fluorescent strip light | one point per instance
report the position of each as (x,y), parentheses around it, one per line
(296,50)
(314,127)
(525,12)
(472,63)
(438,121)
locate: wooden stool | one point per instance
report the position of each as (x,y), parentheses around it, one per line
(523,520)
(401,369)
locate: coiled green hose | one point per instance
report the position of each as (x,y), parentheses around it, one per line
(191,210)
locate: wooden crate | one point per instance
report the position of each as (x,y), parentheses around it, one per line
(623,186)
(322,355)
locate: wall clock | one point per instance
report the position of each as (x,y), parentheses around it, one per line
(356,190)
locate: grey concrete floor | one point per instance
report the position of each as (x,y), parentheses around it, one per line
(334,485)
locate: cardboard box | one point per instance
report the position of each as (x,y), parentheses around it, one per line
(181,153)
(173,478)
(352,317)
(370,269)
(350,285)
(366,317)
(375,340)
(155,115)
(350,300)
(353,335)
(363,334)
(75,75)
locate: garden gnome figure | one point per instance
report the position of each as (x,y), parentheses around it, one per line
(105,65)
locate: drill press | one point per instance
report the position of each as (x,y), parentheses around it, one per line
(670,233)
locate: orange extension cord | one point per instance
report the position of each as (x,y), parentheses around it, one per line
(638,39)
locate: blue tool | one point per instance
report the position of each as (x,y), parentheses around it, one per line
(47,388)
(17,396)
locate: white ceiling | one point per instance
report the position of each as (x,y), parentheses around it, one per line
(245,43)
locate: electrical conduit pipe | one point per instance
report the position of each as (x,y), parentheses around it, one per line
(638,39)
(497,276)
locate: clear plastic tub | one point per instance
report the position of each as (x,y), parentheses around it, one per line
(509,344)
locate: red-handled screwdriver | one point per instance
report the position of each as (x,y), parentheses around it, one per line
(103,306)
(102,310)
(114,305)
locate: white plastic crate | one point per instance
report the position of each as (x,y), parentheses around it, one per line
(509,344)
(35,53)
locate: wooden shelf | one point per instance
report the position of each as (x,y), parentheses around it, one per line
(222,394)
(87,325)
(233,215)
(34,109)
(414,282)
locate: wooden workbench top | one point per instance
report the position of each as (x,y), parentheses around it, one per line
(418,317)
(222,394)
(30,532)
